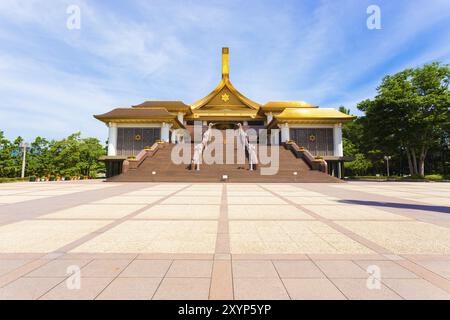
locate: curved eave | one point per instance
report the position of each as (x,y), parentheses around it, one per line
(280,106)
(186,110)
(225,82)
(208,114)
(311,120)
(177,124)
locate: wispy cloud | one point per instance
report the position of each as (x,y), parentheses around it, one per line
(53,79)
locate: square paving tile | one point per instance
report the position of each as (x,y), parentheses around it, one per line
(32,236)
(388,269)
(193,200)
(154,236)
(94,211)
(100,268)
(441,268)
(28,288)
(89,289)
(129,200)
(183,289)
(149,193)
(190,269)
(353,212)
(290,237)
(58,268)
(255,200)
(312,289)
(298,269)
(357,289)
(19,198)
(167,212)
(266,212)
(200,193)
(404,237)
(259,289)
(341,269)
(147,268)
(174,242)
(254,269)
(11,264)
(314,200)
(248,193)
(130,289)
(416,289)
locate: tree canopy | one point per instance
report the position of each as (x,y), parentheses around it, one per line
(411,112)
(71,156)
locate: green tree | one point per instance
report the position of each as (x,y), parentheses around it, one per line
(360,165)
(411,110)
(39,158)
(90,151)
(6,161)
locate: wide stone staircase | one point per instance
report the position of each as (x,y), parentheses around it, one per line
(160,168)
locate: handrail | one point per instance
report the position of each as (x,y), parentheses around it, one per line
(314,163)
(133,164)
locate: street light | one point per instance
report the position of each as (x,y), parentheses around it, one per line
(387,158)
(24,145)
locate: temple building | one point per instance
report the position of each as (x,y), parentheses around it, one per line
(318,130)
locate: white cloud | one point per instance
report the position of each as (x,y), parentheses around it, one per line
(320,52)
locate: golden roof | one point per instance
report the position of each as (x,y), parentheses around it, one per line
(311,115)
(224,114)
(171,106)
(141,115)
(281,105)
(225,95)
(226,102)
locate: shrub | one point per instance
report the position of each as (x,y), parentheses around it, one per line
(3,180)
(416,177)
(434,177)
(52,178)
(32,178)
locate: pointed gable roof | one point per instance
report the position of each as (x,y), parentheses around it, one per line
(225,95)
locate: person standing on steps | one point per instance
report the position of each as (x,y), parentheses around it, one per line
(242,140)
(242,135)
(196,159)
(252,156)
(207,135)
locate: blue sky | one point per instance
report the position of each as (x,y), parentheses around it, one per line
(52,79)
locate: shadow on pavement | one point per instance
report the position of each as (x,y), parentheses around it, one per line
(423,207)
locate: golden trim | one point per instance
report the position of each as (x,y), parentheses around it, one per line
(225,62)
(176,124)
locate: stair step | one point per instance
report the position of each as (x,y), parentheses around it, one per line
(166,171)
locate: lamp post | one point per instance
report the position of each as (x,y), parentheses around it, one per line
(24,145)
(387,158)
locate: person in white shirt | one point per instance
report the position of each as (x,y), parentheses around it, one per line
(242,135)
(207,135)
(196,159)
(252,156)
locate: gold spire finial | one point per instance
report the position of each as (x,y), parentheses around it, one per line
(225,63)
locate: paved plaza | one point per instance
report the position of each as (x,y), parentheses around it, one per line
(96,240)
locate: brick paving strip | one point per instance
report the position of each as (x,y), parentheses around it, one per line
(402,261)
(388,203)
(220,280)
(15,212)
(222,277)
(62,252)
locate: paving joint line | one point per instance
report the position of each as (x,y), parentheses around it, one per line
(440,282)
